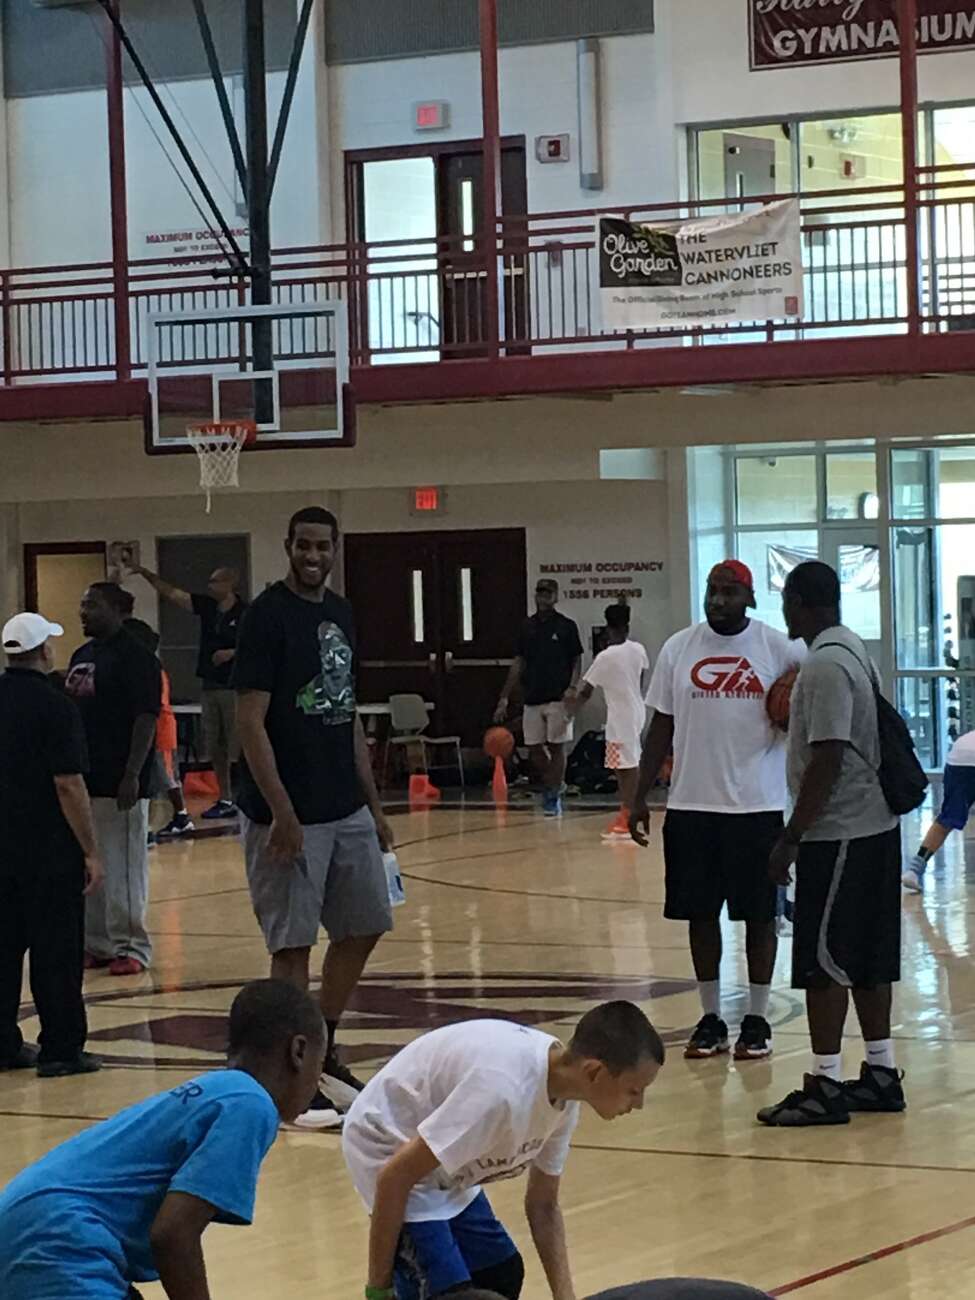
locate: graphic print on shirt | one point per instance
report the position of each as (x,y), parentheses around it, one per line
(492,1169)
(80,682)
(725,676)
(331,694)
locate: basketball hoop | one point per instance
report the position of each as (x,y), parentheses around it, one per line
(218,445)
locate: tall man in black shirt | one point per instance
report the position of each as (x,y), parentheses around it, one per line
(314,829)
(48,858)
(116,684)
(547,666)
(219,610)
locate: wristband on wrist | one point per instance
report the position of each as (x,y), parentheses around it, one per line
(380,1293)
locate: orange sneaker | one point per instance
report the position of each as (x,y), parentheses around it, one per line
(126,966)
(619,827)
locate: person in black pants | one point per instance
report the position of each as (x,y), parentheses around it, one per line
(48,859)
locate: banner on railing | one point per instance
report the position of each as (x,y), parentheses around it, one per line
(716,270)
(785,32)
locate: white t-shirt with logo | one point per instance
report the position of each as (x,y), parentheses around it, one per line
(962,752)
(728,758)
(617,671)
(477,1094)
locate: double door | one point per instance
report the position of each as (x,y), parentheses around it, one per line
(438,615)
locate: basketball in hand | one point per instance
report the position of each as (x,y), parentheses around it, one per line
(779,698)
(499,743)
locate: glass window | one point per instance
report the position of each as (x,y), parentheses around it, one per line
(859,570)
(771,556)
(919,700)
(851,485)
(955,471)
(773,489)
(915,611)
(910,484)
(850,153)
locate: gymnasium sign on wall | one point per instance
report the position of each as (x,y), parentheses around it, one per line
(788,32)
(712,270)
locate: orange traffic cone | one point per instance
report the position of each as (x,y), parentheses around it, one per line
(499,782)
(421,788)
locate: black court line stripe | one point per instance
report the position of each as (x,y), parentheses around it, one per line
(40,1114)
(521,893)
(527,941)
(767,1159)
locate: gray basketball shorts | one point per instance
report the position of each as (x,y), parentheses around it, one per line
(339,881)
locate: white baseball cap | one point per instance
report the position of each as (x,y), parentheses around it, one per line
(26,632)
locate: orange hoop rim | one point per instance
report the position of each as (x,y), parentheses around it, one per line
(224,428)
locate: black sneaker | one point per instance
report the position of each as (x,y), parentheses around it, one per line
(754,1040)
(180,825)
(877,1090)
(222,809)
(25,1058)
(819,1101)
(83,1063)
(710,1038)
(338,1083)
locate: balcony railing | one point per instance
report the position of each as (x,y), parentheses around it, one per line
(427,300)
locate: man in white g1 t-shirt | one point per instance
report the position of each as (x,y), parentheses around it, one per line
(727,794)
(471,1104)
(620,671)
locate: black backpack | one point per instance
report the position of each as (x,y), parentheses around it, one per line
(900,773)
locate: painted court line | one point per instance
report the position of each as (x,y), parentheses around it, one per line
(783,1160)
(874,1256)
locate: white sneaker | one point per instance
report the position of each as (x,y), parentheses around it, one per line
(913,877)
(319,1115)
(338,1084)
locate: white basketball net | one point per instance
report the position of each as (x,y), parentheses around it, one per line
(218,446)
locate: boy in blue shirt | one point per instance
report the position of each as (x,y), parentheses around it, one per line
(128,1200)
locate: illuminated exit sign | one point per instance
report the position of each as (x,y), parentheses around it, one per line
(431,115)
(427,501)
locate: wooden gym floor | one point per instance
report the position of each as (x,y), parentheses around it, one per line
(508,914)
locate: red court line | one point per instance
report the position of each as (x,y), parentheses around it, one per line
(873,1257)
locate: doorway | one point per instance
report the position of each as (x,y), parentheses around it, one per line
(438,615)
(424,299)
(55,577)
(749,165)
(855,555)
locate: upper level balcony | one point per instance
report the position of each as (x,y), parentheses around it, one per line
(889,290)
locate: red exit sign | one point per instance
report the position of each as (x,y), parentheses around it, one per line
(427,501)
(432,115)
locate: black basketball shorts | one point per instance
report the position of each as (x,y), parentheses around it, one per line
(717,858)
(847,925)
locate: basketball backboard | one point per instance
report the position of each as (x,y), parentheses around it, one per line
(285,367)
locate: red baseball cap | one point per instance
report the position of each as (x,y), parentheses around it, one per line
(735,571)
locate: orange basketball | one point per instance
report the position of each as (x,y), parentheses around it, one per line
(779,698)
(499,743)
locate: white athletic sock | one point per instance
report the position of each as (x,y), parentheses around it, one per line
(880,1052)
(710,991)
(830,1067)
(758,1000)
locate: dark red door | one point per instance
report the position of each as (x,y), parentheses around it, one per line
(438,615)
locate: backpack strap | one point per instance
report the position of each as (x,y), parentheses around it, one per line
(838,645)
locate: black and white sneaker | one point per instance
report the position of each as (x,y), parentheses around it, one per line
(878,1090)
(321,1114)
(338,1083)
(818,1101)
(710,1038)
(181,824)
(754,1040)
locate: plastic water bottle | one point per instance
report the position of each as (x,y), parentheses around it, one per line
(397,894)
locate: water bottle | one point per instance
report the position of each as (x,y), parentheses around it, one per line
(397,894)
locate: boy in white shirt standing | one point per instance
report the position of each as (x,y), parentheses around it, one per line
(471,1104)
(727,795)
(621,671)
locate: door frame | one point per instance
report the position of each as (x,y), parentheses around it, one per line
(33,550)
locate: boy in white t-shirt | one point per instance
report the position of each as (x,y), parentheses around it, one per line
(956,808)
(727,794)
(471,1104)
(621,672)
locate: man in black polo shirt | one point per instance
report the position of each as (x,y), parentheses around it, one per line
(48,859)
(219,611)
(116,683)
(547,665)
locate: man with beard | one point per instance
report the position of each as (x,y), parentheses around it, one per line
(314,830)
(727,795)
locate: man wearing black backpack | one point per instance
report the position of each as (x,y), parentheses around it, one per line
(845,841)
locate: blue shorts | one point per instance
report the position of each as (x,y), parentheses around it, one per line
(959,795)
(438,1254)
